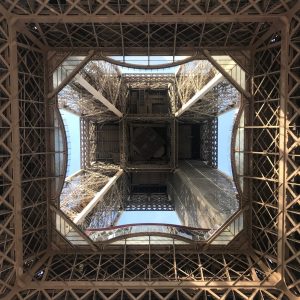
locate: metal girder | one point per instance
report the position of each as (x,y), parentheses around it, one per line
(66,227)
(97,95)
(33,38)
(292,148)
(156,293)
(209,141)
(85,143)
(148,202)
(151,285)
(226,74)
(200,94)
(283,147)
(98,197)
(158,8)
(16,165)
(69,178)
(146,18)
(71,74)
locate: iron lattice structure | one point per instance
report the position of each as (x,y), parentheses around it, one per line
(209,145)
(263,262)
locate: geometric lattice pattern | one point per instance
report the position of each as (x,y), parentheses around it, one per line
(209,142)
(37,264)
(144,202)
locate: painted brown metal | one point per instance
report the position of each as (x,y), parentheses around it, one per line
(269,270)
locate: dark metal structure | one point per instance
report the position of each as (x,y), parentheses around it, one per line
(37,38)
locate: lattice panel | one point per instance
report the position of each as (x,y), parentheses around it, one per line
(157,265)
(265,166)
(102,8)
(7,230)
(292,218)
(93,141)
(209,142)
(149,202)
(32,149)
(84,143)
(106,212)
(153,294)
(113,37)
(88,142)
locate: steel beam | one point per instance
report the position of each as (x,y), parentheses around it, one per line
(70,76)
(226,74)
(16,165)
(85,147)
(149,284)
(200,94)
(71,226)
(147,18)
(97,95)
(98,197)
(35,40)
(69,178)
(283,148)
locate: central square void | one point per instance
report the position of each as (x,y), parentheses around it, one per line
(149,143)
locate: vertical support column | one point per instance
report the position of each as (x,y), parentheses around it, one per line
(84,143)
(51,125)
(214,143)
(124,261)
(284,60)
(174,261)
(48,111)
(176,143)
(209,142)
(248,105)
(149,259)
(92,136)
(123,141)
(16,168)
(173,143)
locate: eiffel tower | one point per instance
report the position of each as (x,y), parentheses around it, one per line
(153,139)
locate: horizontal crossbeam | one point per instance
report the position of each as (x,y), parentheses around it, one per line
(150,285)
(147,18)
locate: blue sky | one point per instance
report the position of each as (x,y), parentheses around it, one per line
(225,123)
(167,217)
(72,126)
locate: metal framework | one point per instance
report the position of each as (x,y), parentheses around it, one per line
(151,201)
(262,264)
(209,141)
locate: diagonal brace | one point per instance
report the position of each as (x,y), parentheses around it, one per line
(97,95)
(226,74)
(67,79)
(98,197)
(200,94)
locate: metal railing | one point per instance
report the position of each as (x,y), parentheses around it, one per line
(119,232)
